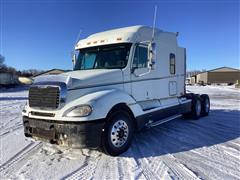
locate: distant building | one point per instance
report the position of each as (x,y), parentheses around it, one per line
(220,75)
(188,81)
(51,72)
(8,78)
(193,79)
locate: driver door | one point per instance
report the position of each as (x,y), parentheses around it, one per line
(141,85)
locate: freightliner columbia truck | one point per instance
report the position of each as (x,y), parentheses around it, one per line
(123,80)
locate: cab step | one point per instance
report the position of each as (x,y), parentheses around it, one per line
(156,123)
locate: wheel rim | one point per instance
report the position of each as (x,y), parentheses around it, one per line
(207,105)
(198,108)
(119,133)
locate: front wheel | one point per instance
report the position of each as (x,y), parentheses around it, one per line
(118,132)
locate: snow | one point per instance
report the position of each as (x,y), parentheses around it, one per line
(181,149)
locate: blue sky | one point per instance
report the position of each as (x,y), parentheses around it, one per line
(40,34)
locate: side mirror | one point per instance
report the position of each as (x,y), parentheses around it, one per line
(74,59)
(152,55)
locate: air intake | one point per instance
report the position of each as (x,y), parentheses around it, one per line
(44,97)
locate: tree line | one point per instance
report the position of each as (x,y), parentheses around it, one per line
(7,69)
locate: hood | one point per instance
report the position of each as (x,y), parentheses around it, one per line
(84,78)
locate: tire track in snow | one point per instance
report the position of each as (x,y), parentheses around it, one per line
(143,162)
(213,154)
(218,155)
(22,155)
(205,167)
(11,119)
(7,123)
(113,168)
(134,171)
(102,166)
(159,167)
(120,169)
(126,166)
(86,170)
(75,173)
(16,105)
(108,168)
(11,129)
(180,170)
(232,149)
(210,157)
(177,168)
(218,162)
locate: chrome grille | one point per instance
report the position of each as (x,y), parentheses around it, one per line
(44,97)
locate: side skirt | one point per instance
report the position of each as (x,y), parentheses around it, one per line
(162,115)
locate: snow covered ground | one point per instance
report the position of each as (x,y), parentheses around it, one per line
(181,149)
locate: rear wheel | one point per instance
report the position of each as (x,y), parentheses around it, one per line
(196,107)
(118,132)
(205,102)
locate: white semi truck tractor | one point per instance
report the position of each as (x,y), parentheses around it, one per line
(123,80)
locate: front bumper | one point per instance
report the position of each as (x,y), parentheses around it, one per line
(73,134)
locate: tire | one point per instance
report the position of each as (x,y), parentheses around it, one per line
(205,102)
(118,132)
(196,107)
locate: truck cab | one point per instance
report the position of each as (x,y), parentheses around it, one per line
(122,81)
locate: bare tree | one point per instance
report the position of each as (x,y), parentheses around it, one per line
(2,59)
(4,67)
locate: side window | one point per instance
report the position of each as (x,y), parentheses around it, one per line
(172,63)
(140,57)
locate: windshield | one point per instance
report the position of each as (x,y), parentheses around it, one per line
(114,56)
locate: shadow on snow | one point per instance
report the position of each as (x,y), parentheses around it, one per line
(17,88)
(12,98)
(183,135)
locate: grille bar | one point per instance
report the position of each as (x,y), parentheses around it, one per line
(44,97)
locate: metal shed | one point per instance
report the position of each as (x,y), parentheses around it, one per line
(222,75)
(7,78)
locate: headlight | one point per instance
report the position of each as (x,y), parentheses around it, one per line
(79,111)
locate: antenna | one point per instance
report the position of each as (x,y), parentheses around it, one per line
(78,37)
(154,21)
(73,50)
